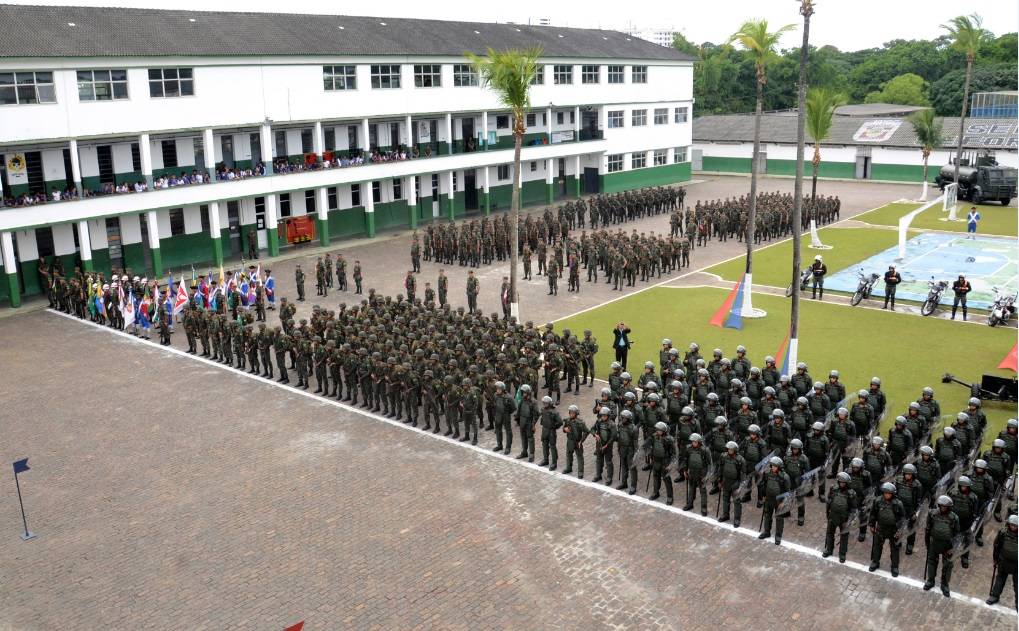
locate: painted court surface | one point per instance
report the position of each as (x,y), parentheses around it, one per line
(987,262)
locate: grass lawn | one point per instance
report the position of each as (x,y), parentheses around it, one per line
(907,352)
(773,265)
(994,218)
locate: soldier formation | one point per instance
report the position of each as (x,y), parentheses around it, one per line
(728,218)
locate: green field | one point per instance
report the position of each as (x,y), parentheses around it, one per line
(907,352)
(994,218)
(773,265)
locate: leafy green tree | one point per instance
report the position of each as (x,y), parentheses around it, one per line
(821,104)
(760,45)
(683,45)
(968,35)
(946,92)
(509,74)
(905,89)
(930,135)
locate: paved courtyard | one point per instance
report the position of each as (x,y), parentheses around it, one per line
(169,492)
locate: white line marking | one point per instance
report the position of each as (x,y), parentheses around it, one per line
(787,545)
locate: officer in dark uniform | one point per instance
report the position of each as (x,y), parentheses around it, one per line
(942,528)
(299,282)
(732,471)
(505,407)
(892,280)
(1004,558)
(961,287)
(660,448)
(626,448)
(817,272)
(527,415)
(604,432)
(774,486)
(698,466)
(842,502)
(550,424)
(576,431)
(886,517)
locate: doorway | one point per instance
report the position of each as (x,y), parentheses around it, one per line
(104,155)
(470,190)
(591,180)
(227,151)
(33,168)
(146,254)
(115,243)
(467,133)
(233,218)
(863,167)
(435,195)
(561,174)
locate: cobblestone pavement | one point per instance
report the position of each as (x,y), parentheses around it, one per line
(171,493)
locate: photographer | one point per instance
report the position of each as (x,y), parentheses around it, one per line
(621,343)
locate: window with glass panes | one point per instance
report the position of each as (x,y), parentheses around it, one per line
(531,120)
(502,172)
(638,74)
(385,76)
(681,114)
(617,74)
(589,74)
(638,118)
(339,77)
(310,207)
(615,119)
(615,162)
(539,75)
(376,192)
(102,85)
(638,160)
(661,116)
(661,157)
(355,195)
(176,221)
(171,82)
(679,155)
(427,76)
(23,88)
(562,74)
(397,188)
(464,76)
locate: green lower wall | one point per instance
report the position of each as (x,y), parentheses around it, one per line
(391,215)
(648,176)
(898,172)
(184,250)
(134,258)
(347,222)
(825,169)
(842,170)
(731,165)
(101,262)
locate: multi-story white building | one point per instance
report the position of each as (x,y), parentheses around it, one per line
(103,110)
(661,36)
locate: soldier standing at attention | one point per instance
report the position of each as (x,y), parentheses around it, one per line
(252,244)
(472,292)
(341,272)
(550,424)
(626,448)
(886,515)
(299,282)
(731,472)
(660,448)
(841,503)
(774,484)
(576,431)
(280,347)
(1004,559)
(892,280)
(329,270)
(698,463)
(525,254)
(443,285)
(942,528)
(358,278)
(527,416)
(604,432)
(410,284)
(505,407)
(470,401)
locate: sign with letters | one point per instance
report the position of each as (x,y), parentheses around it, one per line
(879,130)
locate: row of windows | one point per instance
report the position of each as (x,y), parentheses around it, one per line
(638,159)
(19,88)
(638,118)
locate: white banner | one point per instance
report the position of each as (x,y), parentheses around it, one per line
(17,169)
(424,131)
(562,136)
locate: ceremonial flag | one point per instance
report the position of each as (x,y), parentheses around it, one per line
(182,297)
(720,316)
(143,313)
(257,278)
(782,360)
(20,466)
(1011,361)
(100,304)
(243,290)
(194,276)
(128,309)
(735,319)
(295,627)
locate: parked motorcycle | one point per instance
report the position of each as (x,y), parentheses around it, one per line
(935,289)
(864,288)
(1003,308)
(804,282)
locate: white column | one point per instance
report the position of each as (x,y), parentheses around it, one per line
(548,123)
(410,186)
(322,202)
(75,165)
(152,225)
(145,151)
(576,122)
(365,145)
(484,130)
(84,242)
(449,185)
(576,172)
(209,146)
(449,131)
(548,170)
(271,211)
(7,245)
(318,141)
(215,224)
(367,197)
(265,140)
(485,185)
(409,122)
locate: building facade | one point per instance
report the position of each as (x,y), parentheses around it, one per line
(156,140)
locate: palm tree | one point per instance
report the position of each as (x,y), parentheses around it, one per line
(967,33)
(821,105)
(760,44)
(509,74)
(806,10)
(929,134)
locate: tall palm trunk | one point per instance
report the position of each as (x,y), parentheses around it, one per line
(962,118)
(515,218)
(806,9)
(754,167)
(813,176)
(926,155)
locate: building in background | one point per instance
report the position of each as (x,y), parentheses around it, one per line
(660,36)
(354,124)
(1001,104)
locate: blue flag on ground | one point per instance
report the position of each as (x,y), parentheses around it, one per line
(735,319)
(20,466)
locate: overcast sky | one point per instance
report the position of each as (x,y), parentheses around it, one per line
(847,24)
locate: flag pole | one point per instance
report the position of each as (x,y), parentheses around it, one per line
(26,535)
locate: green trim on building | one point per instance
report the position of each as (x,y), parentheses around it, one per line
(133,255)
(898,172)
(217,251)
(732,165)
(30,276)
(369,224)
(412,216)
(424,209)
(648,176)
(13,290)
(448,210)
(347,222)
(391,214)
(273,237)
(549,192)
(183,250)
(86,265)
(825,169)
(486,203)
(157,261)
(101,262)
(322,226)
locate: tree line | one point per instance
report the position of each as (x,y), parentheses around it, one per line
(908,72)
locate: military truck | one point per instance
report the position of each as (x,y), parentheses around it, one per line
(981,179)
